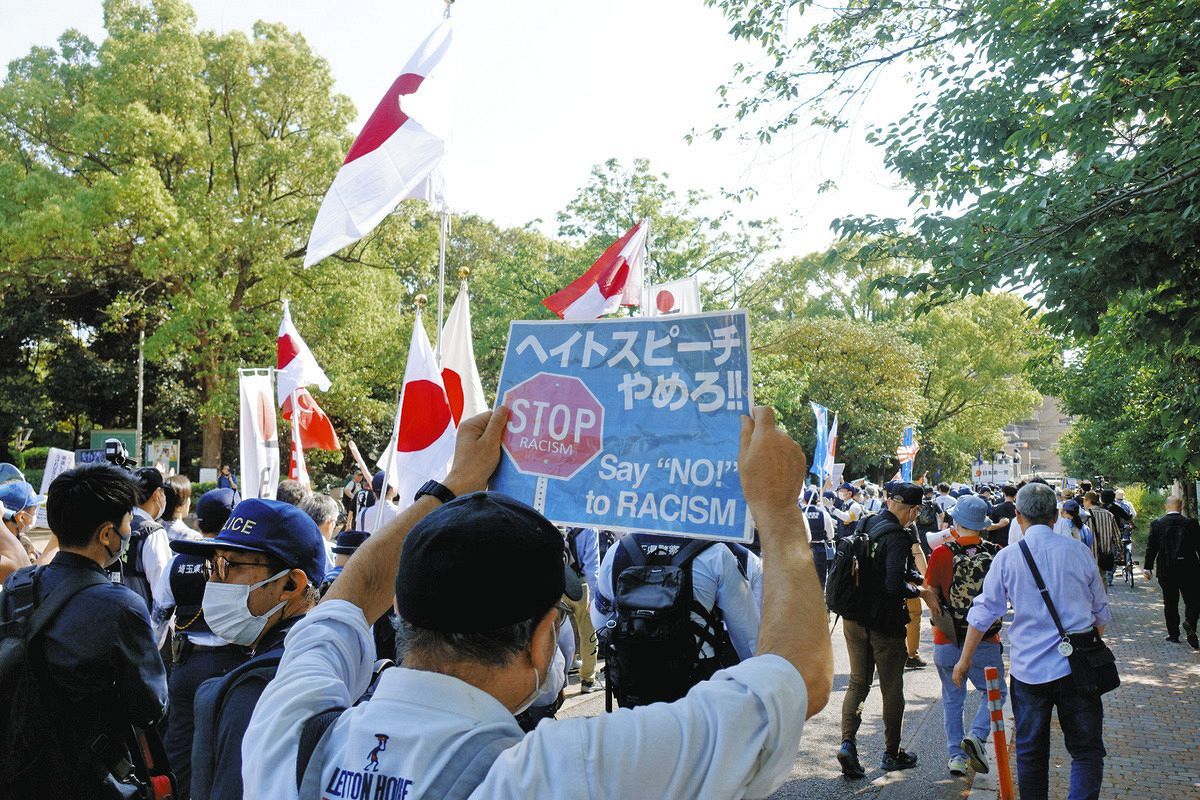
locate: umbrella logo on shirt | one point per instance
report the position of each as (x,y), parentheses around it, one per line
(373,756)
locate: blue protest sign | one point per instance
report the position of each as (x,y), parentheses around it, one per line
(630,424)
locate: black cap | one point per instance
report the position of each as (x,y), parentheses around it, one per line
(214,507)
(481,562)
(348,541)
(149,480)
(905,491)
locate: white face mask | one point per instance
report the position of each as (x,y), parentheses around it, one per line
(547,684)
(228,615)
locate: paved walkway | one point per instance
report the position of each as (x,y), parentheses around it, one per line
(1152,723)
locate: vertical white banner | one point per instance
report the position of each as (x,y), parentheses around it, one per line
(57,462)
(259,435)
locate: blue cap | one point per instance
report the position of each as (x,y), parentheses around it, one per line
(9,472)
(214,507)
(271,527)
(19,495)
(829,495)
(971,513)
(348,541)
(849,487)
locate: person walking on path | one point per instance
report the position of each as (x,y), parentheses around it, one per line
(1175,544)
(956,572)
(1039,671)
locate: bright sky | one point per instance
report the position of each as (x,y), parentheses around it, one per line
(548,89)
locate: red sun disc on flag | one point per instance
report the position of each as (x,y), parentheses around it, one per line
(287,351)
(454,393)
(424,416)
(665,301)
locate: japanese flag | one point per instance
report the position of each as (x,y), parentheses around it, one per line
(615,280)
(460,376)
(674,297)
(295,364)
(422,443)
(394,158)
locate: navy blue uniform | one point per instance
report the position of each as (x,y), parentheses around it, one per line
(820,531)
(222,714)
(103,669)
(198,655)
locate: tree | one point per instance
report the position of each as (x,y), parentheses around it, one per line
(175,170)
(1052,147)
(723,250)
(863,370)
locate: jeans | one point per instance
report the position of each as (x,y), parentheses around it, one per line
(1082,721)
(945,656)
(869,649)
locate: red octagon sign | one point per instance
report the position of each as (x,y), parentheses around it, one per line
(556,426)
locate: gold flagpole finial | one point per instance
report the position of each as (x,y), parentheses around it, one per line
(420,301)
(464,273)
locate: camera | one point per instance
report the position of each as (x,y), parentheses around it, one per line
(116,454)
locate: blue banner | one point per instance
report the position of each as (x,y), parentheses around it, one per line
(629,424)
(906,467)
(821,449)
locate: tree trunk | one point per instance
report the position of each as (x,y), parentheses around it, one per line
(210,452)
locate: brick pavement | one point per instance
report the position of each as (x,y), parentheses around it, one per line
(1151,722)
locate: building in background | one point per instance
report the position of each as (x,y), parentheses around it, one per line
(1035,441)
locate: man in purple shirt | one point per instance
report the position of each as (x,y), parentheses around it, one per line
(1040,675)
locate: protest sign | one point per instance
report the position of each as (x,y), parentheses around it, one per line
(92,456)
(629,424)
(57,462)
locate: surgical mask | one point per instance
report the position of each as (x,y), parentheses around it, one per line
(547,684)
(121,551)
(228,615)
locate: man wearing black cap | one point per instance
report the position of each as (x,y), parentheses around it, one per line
(444,721)
(197,653)
(149,547)
(263,567)
(879,642)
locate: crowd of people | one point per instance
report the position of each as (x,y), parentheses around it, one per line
(302,647)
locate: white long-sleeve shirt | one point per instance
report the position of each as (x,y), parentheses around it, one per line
(735,735)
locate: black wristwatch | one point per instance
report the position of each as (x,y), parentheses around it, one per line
(434,489)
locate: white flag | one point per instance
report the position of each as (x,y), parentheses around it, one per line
(295,364)
(460,376)
(259,439)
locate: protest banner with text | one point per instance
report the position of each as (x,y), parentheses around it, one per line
(629,424)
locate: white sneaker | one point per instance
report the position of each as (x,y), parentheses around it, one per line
(976,751)
(957,766)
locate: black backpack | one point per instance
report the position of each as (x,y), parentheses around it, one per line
(927,518)
(654,644)
(31,758)
(851,587)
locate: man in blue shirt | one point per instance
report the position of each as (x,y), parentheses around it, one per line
(1040,674)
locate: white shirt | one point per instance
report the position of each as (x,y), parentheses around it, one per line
(156,552)
(716,581)
(177,530)
(735,735)
(371,520)
(1014,531)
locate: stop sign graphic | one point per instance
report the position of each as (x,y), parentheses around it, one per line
(556,426)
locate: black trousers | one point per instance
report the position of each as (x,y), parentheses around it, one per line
(201,664)
(1173,585)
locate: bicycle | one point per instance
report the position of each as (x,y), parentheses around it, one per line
(1127,546)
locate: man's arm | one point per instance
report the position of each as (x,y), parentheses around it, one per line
(368,580)
(12,554)
(1152,545)
(772,468)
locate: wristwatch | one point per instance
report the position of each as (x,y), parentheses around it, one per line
(434,489)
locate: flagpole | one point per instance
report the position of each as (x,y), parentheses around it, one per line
(297,447)
(419,301)
(444,229)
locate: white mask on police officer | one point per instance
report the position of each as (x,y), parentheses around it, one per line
(227,610)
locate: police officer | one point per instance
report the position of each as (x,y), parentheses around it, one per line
(102,672)
(197,653)
(820,532)
(264,567)
(150,547)
(846,510)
